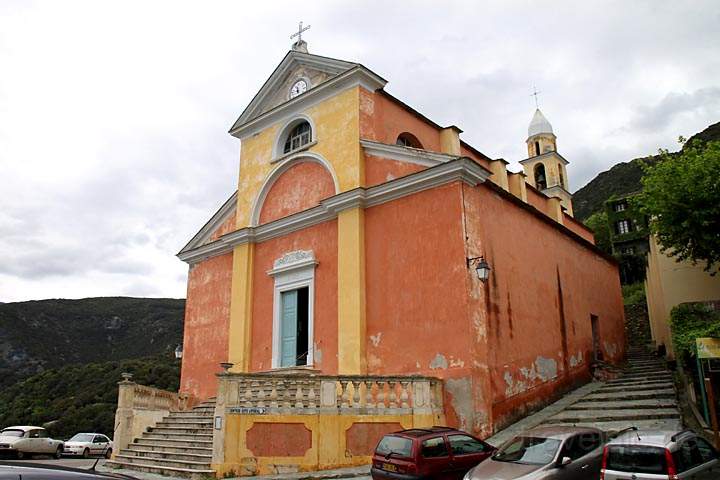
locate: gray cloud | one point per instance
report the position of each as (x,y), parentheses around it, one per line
(114,148)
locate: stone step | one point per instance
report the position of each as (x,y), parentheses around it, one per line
(635,376)
(626,415)
(189,414)
(176,436)
(650,403)
(181,430)
(670,424)
(183,423)
(173,456)
(164,462)
(639,395)
(171,442)
(168,471)
(154,447)
(634,388)
(638,380)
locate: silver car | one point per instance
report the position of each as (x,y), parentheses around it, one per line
(87,444)
(544,453)
(646,455)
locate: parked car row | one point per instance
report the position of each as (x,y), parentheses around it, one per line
(544,453)
(24,441)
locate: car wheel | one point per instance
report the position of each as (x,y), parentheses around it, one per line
(58,453)
(20,455)
(86,453)
(108,453)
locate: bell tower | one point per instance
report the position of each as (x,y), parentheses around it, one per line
(545,167)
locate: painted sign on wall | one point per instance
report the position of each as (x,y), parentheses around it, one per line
(708,347)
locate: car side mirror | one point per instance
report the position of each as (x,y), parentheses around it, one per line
(565,461)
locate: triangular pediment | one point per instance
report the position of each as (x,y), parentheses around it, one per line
(222,222)
(314,69)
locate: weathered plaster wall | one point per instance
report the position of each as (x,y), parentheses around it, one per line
(322,240)
(337,133)
(417,305)
(383,120)
(537,303)
(380,170)
(300,187)
(226,227)
(207,314)
(578,227)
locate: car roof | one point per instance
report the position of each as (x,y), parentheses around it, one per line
(558,432)
(24,428)
(656,438)
(423,432)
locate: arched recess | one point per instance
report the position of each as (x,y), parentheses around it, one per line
(277,172)
(407,139)
(540,177)
(279,142)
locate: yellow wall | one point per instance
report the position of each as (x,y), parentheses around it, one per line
(241,308)
(328,450)
(338,133)
(669,283)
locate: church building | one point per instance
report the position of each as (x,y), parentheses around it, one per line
(368,246)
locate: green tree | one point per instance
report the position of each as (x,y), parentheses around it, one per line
(681,197)
(598,223)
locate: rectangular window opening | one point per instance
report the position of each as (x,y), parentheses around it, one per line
(294,327)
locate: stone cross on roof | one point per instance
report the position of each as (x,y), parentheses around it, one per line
(299,33)
(535,94)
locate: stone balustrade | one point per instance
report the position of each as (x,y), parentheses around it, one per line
(312,394)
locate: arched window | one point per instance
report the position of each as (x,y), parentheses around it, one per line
(540,178)
(560,175)
(408,140)
(537,148)
(298,137)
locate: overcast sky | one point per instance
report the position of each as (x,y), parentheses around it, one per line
(114,115)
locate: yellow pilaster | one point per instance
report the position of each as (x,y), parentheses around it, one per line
(351,291)
(240,308)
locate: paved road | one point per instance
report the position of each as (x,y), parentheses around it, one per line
(64,462)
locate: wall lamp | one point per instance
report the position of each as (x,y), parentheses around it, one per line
(482,269)
(178,352)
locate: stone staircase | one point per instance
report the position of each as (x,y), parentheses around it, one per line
(644,396)
(179,446)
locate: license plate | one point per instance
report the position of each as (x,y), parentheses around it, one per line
(389,467)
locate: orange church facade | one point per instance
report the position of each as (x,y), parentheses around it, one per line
(351,247)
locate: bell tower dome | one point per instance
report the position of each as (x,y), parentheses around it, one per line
(545,167)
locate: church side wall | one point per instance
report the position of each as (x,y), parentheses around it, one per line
(322,240)
(542,290)
(380,170)
(207,315)
(578,228)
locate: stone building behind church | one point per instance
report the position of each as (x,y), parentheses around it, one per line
(340,285)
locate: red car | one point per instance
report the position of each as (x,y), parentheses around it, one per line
(438,453)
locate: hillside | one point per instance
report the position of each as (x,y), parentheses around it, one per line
(81,398)
(621,179)
(43,334)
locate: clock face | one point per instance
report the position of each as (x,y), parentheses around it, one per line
(298,87)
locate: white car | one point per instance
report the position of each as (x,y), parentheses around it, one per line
(87,444)
(24,441)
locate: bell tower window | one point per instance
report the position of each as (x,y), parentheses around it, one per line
(560,176)
(298,137)
(537,148)
(540,178)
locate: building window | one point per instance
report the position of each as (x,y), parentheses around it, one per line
(628,250)
(293,305)
(408,140)
(620,206)
(298,137)
(540,178)
(623,226)
(560,175)
(537,148)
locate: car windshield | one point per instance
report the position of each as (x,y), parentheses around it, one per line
(392,445)
(528,450)
(82,437)
(11,432)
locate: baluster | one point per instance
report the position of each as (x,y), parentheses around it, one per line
(393,394)
(369,394)
(382,395)
(344,398)
(289,394)
(261,394)
(404,397)
(311,395)
(356,393)
(299,395)
(273,395)
(248,395)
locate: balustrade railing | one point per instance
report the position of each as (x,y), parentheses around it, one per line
(307,394)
